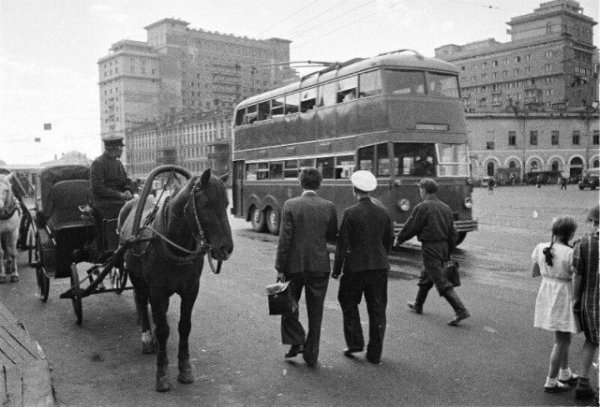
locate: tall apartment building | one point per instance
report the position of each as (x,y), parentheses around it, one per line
(547,65)
(180,70)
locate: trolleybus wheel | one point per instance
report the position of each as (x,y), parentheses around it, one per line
(257,218)
(43,281)
(461,237)
(272,221)
(118,279)
(76,298)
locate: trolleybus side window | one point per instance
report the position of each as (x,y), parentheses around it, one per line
(308,99)
(415,159)
(326,167)
(276,170)
(383,160)
(405,82)
(251,172)
(292,103)
(290,169)
(307,162)
(277,106)
(344,166)
(327,94)
(346,89)
(251,113)
(240,117)
(264,109)
(453,161)
(366,158)
(442,84)
(370,84)
(263,171)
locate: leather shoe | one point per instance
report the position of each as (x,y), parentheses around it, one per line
(557,388)
(463,315)
(416,308)
(373,360)
(294,351)
(350,351)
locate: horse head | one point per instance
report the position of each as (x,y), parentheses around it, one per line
(209,205)
(6,196)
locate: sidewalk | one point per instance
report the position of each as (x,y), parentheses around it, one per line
(25,375)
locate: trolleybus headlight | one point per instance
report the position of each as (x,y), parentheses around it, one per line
(404,205)
(468,203)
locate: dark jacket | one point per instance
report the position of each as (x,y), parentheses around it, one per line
(307,223)
(431,221)
(108,179)
(366,235)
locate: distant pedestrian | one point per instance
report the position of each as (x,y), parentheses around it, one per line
(538,180)
(432,222)
(491,185)
(361,257)
(586,300)
(307,223)
(562,182)
(553,309)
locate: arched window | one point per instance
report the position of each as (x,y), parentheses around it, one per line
(535,165)
(513,164)
(595,163)
(555,165)
(576,162)
(490,168)
(549,28)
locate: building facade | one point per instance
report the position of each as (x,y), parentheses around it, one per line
(549,64)
(518,143)
(180,71)
(194,142)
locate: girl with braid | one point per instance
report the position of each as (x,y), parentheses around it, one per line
(553,306)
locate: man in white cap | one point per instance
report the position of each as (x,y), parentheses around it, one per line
(361,256)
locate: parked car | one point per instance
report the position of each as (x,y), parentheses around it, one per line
(548,177)
(589,179)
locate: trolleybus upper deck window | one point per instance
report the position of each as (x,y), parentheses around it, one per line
(277,106)
(308,99)
(370,84)
(405,82)
(240,117)
(346,89)
(327,94)
(442,84)
(292,103)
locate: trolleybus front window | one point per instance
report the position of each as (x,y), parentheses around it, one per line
(414,159)
(442,84)
(453,161)
(405,82)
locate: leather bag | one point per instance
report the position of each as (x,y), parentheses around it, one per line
(281,300)
(451,272)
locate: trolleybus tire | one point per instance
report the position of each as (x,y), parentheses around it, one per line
(257,218)
(461,237)
(76,297)
(272,219)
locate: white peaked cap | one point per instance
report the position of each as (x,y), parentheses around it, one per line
(364,180)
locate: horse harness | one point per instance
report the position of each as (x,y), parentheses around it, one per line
(9,210)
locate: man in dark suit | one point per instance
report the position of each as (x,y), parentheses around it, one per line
(432,222)
(365,238)
(307,223)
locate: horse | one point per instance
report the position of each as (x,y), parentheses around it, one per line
(190,224)
(10,220)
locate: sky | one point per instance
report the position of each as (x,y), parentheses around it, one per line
(49,49)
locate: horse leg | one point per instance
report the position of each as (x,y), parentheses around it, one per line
(141,303)
(12,255)
(3,278)
(160,306)
(185,326)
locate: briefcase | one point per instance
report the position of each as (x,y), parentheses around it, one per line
(451,272)
(281,300)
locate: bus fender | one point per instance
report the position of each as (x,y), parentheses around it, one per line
(271,201)
(253,200)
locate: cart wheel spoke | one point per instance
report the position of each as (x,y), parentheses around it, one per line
(76,298)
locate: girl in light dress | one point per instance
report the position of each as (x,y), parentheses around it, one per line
(553,306)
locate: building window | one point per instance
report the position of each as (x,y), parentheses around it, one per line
(549,54)
(489,145)
(554,137)
(516,71)
(494,63)
(533,137)
(576,136)
(512,138)
(596,138)
(517,59)
(547,67)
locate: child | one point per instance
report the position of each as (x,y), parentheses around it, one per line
(553,310)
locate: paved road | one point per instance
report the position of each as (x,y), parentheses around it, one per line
(495,358)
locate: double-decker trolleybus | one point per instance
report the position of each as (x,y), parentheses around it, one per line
(398,115)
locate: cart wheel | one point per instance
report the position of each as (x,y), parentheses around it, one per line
(118,279)
(76,299)
(43,281)
(31,244)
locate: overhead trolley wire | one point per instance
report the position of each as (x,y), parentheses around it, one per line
(288,17)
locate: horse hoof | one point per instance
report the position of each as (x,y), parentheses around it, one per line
(185,377)
(14,279)
(3,279)
(148,348)
(162,384)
